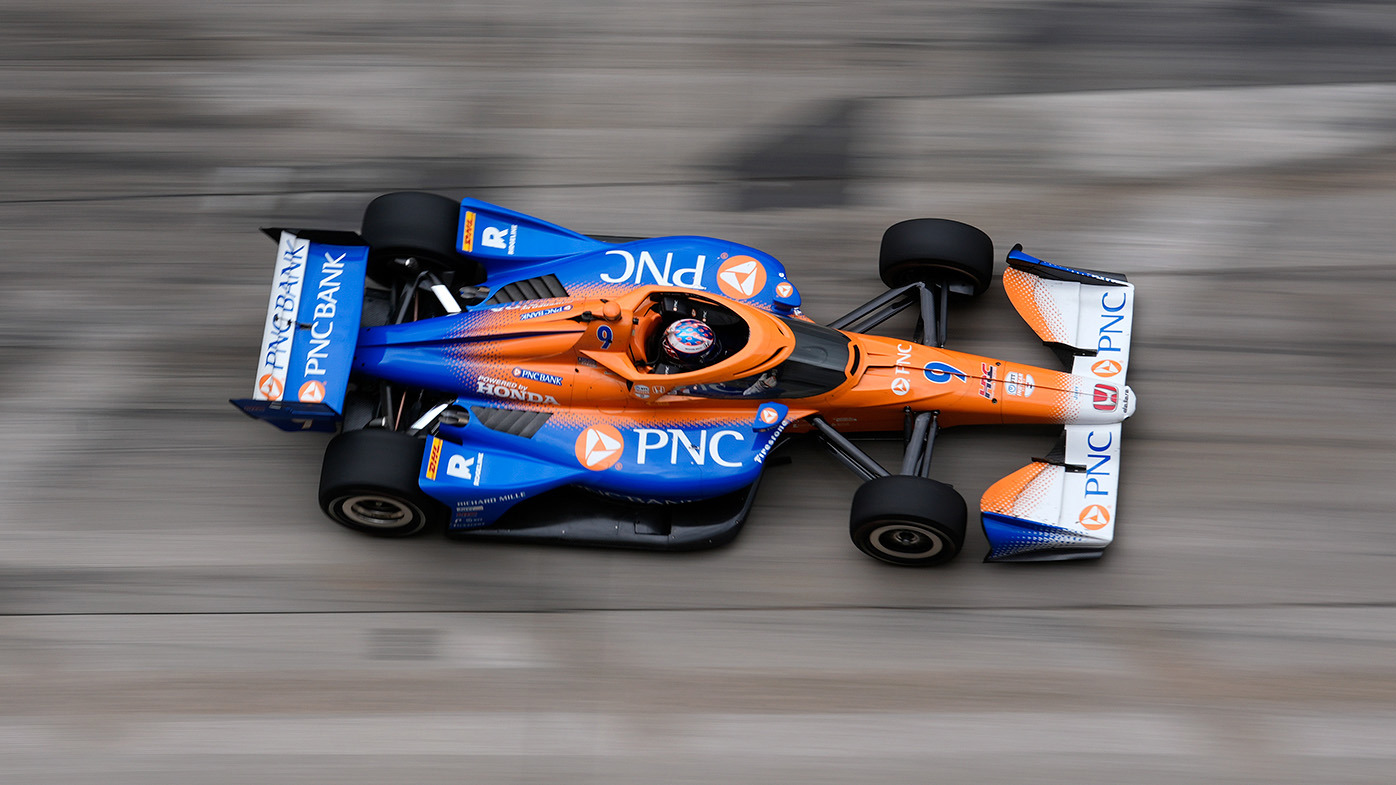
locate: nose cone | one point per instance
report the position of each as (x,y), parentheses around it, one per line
(1130,401)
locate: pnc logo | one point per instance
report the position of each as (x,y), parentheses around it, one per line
(784,289)
(1094,517)
(741,277)
(901,386)
(311,392)
(1106,368)
(769,416)
(1106,397)
(599,447)
(270,386)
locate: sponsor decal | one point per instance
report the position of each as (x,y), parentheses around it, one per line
(901,383)
(311,392)
(770,442)
(1094,517)
(467,233)
(282,310)
(587,362)
(434,460)
(640,391)
(511,390)
(1106,368)
(644,270)
(477,504)
(466,468)
(784,289)
(322,323)
(1106,398)
(986,383)
(1020,384)
(1113,316)
(537,376)
(942,373)
(269,388)
(599,447)
(769,415)
(1101,468)
(605,335)
(502,239)
(545,312)
(741,277)
(653,439)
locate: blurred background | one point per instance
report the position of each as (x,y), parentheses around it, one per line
(174,608)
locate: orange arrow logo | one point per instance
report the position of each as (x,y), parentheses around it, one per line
(270,386)
(1106,368)
(311,392)
(1094,517)
(741,277)
(599,447)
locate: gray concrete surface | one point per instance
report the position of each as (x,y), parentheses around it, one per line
(173,608)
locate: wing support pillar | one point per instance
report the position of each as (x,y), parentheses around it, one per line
(931,302)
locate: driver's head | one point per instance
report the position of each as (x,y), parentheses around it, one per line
(690,341)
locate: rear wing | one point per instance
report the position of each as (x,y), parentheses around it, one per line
(311,330)
(1064,506)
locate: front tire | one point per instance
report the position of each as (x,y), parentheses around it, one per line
(368,483)
(936,251)
(908,521)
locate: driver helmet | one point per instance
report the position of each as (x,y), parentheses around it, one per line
(690,341)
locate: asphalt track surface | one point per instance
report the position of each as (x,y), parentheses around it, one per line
(173,607)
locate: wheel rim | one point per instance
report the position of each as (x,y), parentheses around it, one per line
(905,541)
(377,512)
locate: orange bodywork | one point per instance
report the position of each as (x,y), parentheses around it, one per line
(597,348)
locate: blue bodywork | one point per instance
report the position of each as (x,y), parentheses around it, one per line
(481,468)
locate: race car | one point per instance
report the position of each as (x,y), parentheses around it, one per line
(506,378)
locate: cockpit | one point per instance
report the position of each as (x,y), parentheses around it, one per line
(785,358)
(655,318)
(818,364)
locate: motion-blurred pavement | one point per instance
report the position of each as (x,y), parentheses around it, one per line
(176,609)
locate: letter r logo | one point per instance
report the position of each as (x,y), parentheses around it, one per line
(493,237)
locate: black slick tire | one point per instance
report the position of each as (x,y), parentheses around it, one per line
(422,226)
(937,251)
(908,521)
(368,483)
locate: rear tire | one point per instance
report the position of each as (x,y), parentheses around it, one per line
(418,225)
(937,251)
(368,483)
(908,521)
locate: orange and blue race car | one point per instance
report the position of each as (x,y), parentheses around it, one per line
(507,378)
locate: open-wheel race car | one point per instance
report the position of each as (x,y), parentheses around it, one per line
(511,379)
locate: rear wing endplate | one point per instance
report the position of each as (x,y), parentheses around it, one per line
(311,330)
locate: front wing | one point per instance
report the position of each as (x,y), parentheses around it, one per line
(1065,506)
